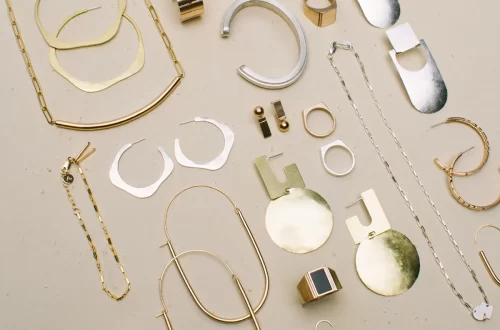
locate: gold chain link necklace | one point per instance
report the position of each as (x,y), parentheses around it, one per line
(68,179)
(105,124)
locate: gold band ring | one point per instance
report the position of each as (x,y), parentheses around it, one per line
(318,107)
(321,16)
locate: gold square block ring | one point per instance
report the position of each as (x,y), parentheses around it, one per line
(321,16)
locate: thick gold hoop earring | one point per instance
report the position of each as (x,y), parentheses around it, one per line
(483,137)
(237,210)
(92,87)
(459,199)
(55,42)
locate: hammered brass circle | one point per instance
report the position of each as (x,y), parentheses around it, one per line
(299,222)
(388,264)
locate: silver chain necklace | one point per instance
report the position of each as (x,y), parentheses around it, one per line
(484,310)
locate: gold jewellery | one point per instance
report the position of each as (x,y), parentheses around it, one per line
(321,16)
(318,283)
(482,255)
(482,135)
(105,124)
(190,9)
(235,278)
(170,246)
(68,179)
(458,198)
(55,42)
(91,87)
(318,107)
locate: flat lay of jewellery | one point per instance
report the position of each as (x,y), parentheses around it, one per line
(323,321)
(298,219)
(381,13)
(387,262)
(250,236)
(321,16)
(319,107)
(88,126)
(190,9)
(425,87)
(458,198)
(145,192)
(317,284)
(67,180)
(483,257)
(482,135)
(234,277)
(337,144)
(91,87)
(54,41)
(477,315)
(217,162)
(250,75)
(264,125)
(283,124)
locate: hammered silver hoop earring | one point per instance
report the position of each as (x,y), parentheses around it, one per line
(341,145)
(116,179)
(220,160)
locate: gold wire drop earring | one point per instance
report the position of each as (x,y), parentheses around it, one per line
(92,87)
(235,277)
(457,197)
(57,43)
(68,179)
(481,134)
(237,210)
(482,255)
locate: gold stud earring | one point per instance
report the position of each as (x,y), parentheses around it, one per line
(283,125)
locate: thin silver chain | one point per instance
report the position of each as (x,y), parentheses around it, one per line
(347,46)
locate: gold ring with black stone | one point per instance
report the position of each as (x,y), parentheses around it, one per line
(318,283)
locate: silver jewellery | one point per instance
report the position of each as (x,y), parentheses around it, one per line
(323,321)
(249,74)
(341,145)
(381,13)
(218,162)
(116,179)
(477,315)
(425,87)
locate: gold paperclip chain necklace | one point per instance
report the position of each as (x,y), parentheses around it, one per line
(107,124)
(348,46)
(68,179)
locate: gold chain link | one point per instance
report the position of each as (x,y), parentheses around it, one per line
(68,179)
(31,71)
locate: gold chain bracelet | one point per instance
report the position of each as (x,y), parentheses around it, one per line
(68,179)
(110,123)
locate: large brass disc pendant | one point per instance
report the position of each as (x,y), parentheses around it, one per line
(388,264)
(300,221)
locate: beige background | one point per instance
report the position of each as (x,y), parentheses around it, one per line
(48,278)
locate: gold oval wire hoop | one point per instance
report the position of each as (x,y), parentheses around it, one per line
(482,135)
(183,274)
(323,321)
(55,42)
(92,87)
(459,199)
(164,313)
(318,107)
(483,257)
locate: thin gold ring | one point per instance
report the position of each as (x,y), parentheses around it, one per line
(318,107)
(55,42)
(254,245)
(92,87)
